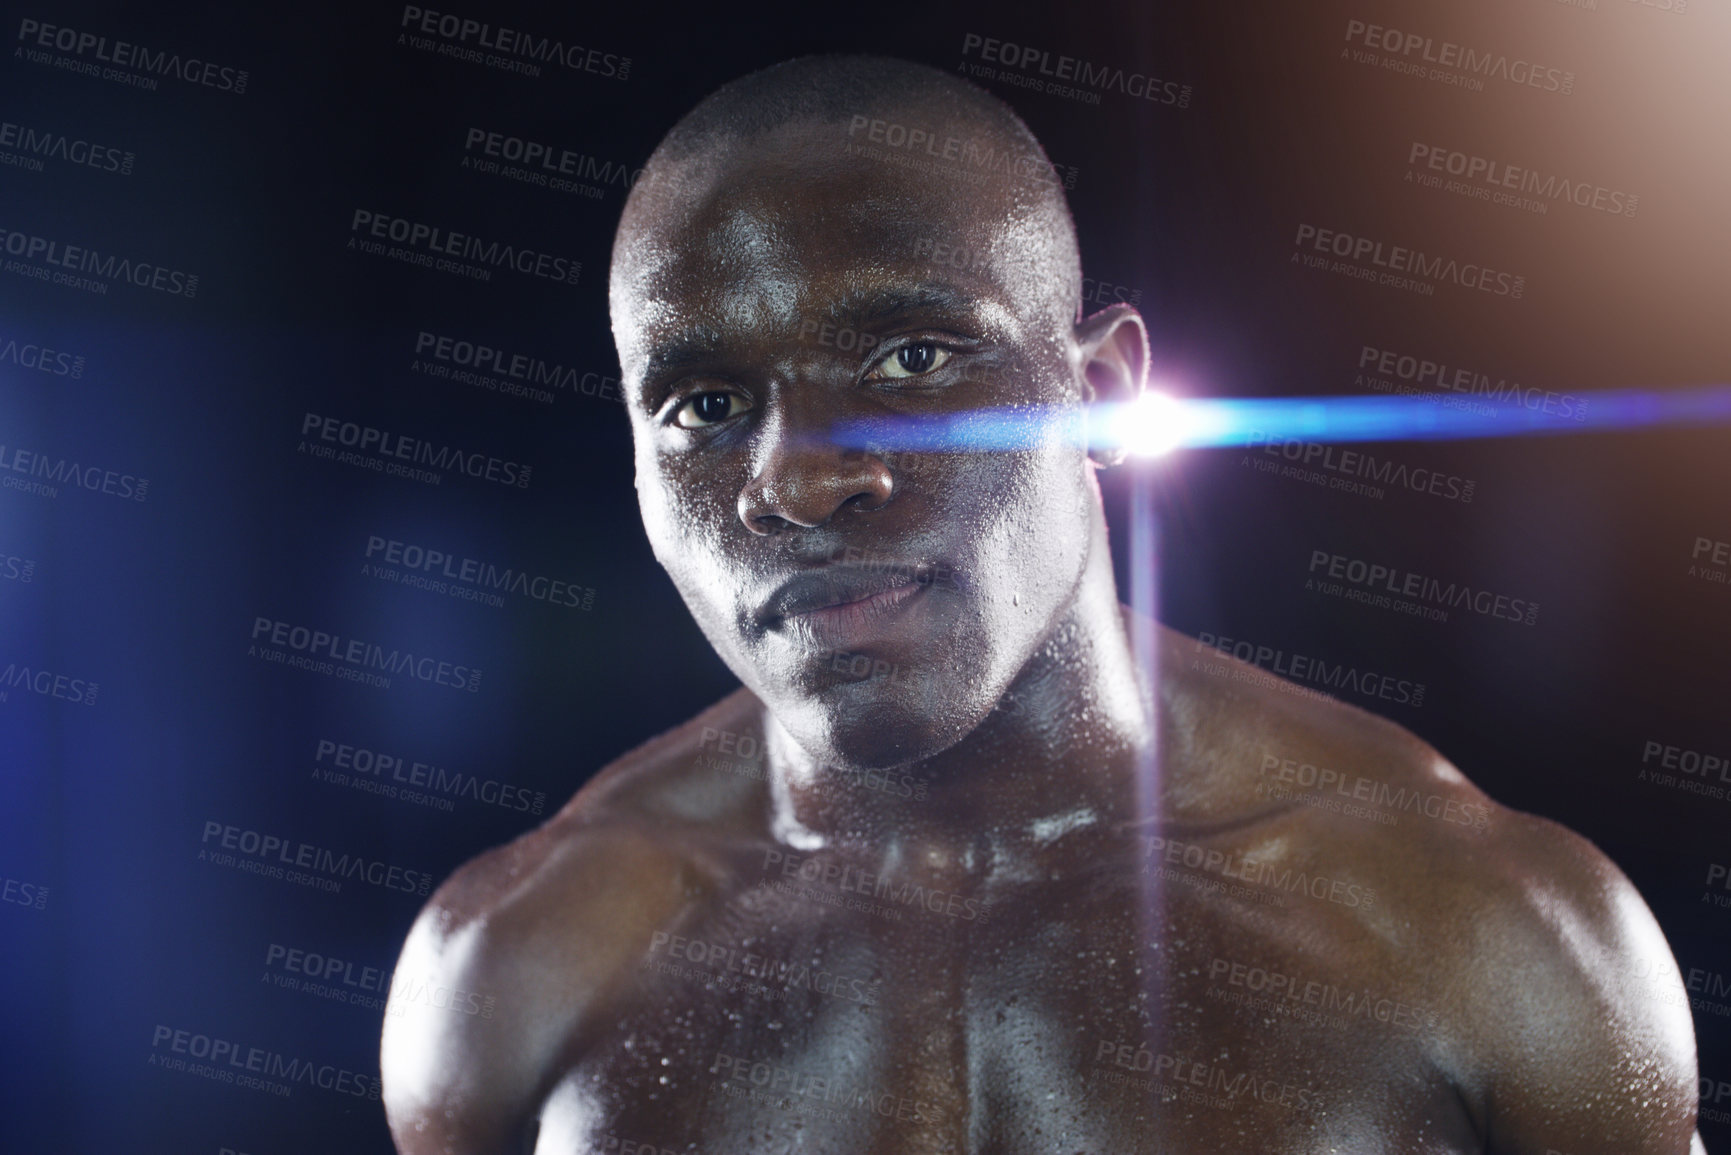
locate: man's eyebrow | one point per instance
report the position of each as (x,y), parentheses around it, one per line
(690,346)
(864,307)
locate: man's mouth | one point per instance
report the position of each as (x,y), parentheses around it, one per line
(843,607)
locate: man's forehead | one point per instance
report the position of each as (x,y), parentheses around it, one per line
(852,245)
(808,206)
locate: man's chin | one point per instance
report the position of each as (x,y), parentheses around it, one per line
(867,725)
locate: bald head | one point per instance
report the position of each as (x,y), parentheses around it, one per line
(944,172)
(835,89)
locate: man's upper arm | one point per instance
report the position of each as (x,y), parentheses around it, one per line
(502,970)
(1579,1018)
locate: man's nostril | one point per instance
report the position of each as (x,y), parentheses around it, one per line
(809,489)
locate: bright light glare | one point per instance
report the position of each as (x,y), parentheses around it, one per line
(1155,423)
(1152,424)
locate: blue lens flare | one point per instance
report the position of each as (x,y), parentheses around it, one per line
(1156,424)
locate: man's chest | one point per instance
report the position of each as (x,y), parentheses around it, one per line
(1073,1021)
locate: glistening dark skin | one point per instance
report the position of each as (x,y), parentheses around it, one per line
(717,945)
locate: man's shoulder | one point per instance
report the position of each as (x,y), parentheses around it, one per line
(540,931)
(1548,970)
(647,817)
(707,770)
(1368,786)
(1558,982)
(1248,742)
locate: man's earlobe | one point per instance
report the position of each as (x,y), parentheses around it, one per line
(1114,352)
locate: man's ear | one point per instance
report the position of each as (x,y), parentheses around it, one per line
(1114,351)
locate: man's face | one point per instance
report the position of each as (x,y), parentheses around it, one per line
(880,602)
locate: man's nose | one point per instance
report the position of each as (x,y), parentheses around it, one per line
(802,477)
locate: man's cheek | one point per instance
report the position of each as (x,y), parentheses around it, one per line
(690,530)
(1037,535)
(661,523)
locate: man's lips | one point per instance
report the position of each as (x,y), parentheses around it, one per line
(852,624)
(838,585)
(839,605)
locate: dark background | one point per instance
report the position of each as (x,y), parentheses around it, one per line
(1192,210)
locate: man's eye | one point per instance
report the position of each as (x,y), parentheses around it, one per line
(913,360)
(707,409)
